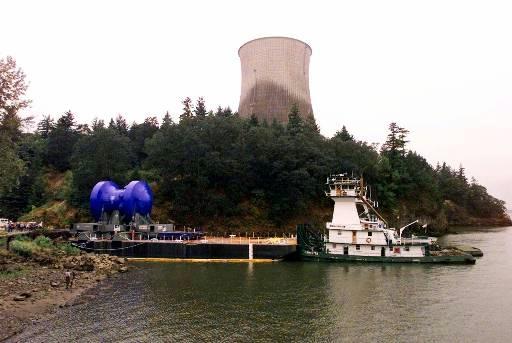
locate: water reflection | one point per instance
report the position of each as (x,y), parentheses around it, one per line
(245,302)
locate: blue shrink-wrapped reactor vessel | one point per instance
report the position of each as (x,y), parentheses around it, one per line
(134,198)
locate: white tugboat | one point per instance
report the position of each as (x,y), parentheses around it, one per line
(358,232)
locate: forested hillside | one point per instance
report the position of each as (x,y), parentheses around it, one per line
(219,171)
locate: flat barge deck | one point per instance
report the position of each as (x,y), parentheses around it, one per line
(475,252)
(189,250)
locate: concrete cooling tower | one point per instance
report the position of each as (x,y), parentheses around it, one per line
(275,75)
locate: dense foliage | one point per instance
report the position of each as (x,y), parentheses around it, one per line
(215,169)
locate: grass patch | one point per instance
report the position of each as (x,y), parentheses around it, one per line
(24,246)
(11,273)
(54,214)
(22,238)
(43,242)
(68,249)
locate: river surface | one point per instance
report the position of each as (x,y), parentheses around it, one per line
(300,302)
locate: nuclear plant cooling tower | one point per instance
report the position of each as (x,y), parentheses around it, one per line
(275,75)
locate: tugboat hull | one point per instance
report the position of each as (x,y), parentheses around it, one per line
(453,259)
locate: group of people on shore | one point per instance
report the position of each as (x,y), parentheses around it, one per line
(22,226)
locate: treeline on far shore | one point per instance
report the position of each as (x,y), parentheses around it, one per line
(215,170)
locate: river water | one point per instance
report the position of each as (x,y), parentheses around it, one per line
(300,302)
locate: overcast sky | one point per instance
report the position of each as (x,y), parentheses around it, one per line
(442,69)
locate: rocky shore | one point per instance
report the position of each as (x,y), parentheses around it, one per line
(31,289)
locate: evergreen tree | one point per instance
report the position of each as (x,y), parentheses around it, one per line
(461,174)
(97,124)
(45,126)
(253,121)
(344,135)
(223,112)
(138,135)
(295,123)
(200,108)
(67,121)
(226,112)
(61,141)
(310,124)
(83,129)
(151,122)
(112,124)
(167,121)
(277,127)
(396,141)
(121,126)
(187,109)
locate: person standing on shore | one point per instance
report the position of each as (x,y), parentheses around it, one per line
(67,275)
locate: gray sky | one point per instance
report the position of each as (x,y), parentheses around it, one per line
(442,69)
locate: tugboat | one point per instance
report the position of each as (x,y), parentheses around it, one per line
(358,232)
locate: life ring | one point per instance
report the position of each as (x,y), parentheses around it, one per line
(368,240)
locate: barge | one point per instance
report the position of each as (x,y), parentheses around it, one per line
(123,227)
(201,250)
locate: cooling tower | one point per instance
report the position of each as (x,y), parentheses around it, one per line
(275,75)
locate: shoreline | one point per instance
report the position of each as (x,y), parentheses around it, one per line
(456,228)
(36,291)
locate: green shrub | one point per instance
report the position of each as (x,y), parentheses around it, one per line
(23,247)
(22,238)
(43,242)
(68,249)
(42,245)
(10,272)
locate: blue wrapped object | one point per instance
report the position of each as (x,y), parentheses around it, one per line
(107,196)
